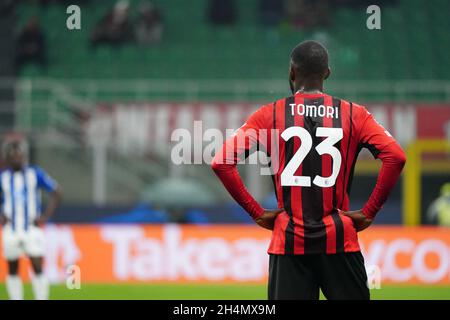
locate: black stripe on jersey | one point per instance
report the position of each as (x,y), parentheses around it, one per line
(247,152)
(337,123)
(372,148)
(312,197)
(352,171)
(288,153)
(274,127)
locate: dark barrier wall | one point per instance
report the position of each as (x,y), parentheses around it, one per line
(7,68)
(231,213)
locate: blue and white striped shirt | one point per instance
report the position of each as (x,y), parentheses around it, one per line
(21,195)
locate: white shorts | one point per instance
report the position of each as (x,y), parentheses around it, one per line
(30,243)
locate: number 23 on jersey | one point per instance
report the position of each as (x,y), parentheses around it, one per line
(332,136)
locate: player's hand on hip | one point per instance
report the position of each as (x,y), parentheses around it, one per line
(360,221)
(3,219)
(40,221)
(267,220)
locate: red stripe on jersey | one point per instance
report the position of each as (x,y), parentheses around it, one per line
(278,236)
(278,240)
(327,164)
(278,124)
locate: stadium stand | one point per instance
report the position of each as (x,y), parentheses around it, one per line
(193,49)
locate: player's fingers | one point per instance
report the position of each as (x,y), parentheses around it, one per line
(266,225)
(277,212)
(273,213)
(353,215)
(361,228)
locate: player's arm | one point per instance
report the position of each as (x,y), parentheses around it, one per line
(55,195)
(53,203)
(383,146)
(235,149)
(3,218)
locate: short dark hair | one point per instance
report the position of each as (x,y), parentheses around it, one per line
(11,146)
(310,58)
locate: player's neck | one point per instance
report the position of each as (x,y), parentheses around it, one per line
(310,87)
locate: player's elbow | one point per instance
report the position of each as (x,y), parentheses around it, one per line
(394,156)
(399,156)
(219,166)
(224,161)
(216,166)
(58,194)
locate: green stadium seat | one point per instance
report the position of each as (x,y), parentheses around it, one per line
(193,49)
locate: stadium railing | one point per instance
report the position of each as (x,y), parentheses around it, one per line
(51,111)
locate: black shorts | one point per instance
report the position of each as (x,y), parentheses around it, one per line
(339,276)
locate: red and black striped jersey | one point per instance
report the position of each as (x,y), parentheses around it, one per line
(313,141)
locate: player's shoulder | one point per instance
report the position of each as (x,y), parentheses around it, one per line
(37,169)
(283,100)
(268,107)
(279,101)
(5,170)
(267,110)
(271,106)
(34,167)
(360,113)
(347,103)
(262,114)
(357,109)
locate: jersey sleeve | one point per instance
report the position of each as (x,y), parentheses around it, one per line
(44,180)
(245,141)
(373,135)
(382,145)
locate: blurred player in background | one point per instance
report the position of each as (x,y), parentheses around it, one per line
(439,211)
(314,240)
(21,217)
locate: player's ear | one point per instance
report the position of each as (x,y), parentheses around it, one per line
(292,73)
(292,79)
(327,74)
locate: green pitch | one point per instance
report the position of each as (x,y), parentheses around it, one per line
(194,292)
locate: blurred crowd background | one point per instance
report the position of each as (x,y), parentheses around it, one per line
(98,104)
